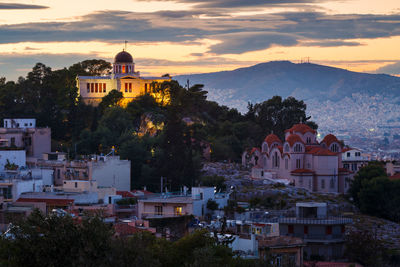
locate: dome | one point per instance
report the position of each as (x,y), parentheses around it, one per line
(301,128)
(123,57)
(294,138)
(271,138)
(329,139)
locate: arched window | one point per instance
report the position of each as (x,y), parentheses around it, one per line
(265,162)
(334,148)
(298,148)
(265,147)
(276,159)
(286,148)
(308,140)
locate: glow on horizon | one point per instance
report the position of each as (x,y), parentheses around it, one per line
(367,57)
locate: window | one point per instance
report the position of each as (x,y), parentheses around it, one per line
(104,88)
(201,195)
(298,148)
(308,140)
(145,88)
(298,163)
(286,164)
(123,69)
(306,229)
(290,229)
(328,230)
(88,87)
(286,148)
(348,154)
(358,154)
(275,159)
(322,183)
(96,88)
(178,211)
(262,173)
(158,210)
(354,167)
(332,183)
(92,87)
(343,229)
(76,185)
(334,148)
(265,147)
(58,174)
(265,162)
(13,140)
(100,87)
(126,88)
(130,87)
(301,181)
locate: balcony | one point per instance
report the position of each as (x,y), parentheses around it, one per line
(326,221)
(320,238)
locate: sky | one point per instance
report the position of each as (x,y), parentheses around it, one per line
(197,36)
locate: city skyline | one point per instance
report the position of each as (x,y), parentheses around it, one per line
(194,36)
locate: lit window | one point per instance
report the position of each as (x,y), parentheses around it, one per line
(96,88)
(178,211)
(92,87)
(130,87)
(126,88)
(123,69)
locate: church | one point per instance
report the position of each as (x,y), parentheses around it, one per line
(302,160)
(123,78)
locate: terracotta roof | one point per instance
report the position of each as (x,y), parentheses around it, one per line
(125,194)
(293,138)
(301,128)
(254,149)
(329,139)
(124,229)
(396,176)
(302,171)
(319,151)
(346,149)
(280,149)
(49,201)
(344,170)
(280,242)
(271,138)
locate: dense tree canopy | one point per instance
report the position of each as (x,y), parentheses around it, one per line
(169,124)
(63,241)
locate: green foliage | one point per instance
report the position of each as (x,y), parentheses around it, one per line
(212,205)
(112,99)
(365,248)
(127,201)
(375,194)
(214,181)
(60,241)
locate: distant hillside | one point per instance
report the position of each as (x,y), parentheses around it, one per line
(304,81)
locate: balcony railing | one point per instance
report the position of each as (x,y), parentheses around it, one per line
(326,221)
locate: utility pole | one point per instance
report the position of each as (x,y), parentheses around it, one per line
(162,184)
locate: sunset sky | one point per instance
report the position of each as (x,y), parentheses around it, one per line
(193,36)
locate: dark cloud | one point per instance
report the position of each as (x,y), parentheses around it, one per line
(237,43)
(390,69)
(14,65)
(20,6)
(331,43)
(237,34)
(209,61)
(241,3)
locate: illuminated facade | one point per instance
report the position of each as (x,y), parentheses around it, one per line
(123,78)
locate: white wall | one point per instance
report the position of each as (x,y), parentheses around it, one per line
(19,123)
(23,186)
(17,157)
(113,172)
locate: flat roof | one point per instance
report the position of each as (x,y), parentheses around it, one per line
(167,200)
(311,204)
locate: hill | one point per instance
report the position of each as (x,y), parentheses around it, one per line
(304,81)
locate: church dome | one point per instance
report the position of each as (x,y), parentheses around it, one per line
(123,57)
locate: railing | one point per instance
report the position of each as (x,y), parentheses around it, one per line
(316,237)
(329,220)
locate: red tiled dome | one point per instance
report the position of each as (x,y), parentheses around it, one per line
(271,138)
(329,139)
(293,138)
(301,128)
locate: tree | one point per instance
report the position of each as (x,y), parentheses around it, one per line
(93,67)
(214,181)
(365,248)
(112,99)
